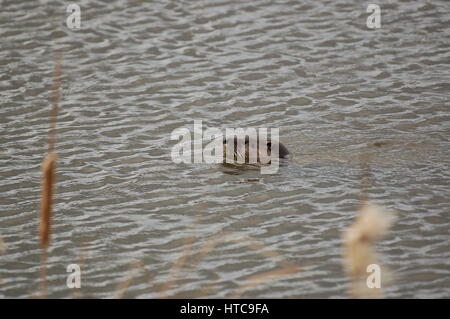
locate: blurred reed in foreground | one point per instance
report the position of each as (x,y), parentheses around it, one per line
(371,224)
(48,177)
(282,270)
(2,245)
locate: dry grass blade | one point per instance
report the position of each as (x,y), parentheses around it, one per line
(263,250)
(269,276)
(366,178)
(284,267)
(266,277)
(176,267)
(55,100)
(2,245)
(238,238)
(122,287)
(75,293)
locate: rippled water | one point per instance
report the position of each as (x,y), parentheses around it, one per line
(343,96)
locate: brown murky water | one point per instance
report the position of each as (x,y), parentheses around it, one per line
(341,94)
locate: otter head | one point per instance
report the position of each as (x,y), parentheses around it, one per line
(247,150)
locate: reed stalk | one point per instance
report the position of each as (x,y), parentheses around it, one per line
(48,177)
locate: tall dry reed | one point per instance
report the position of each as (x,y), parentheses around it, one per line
(48,177)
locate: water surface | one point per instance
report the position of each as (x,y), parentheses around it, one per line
(343,96)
